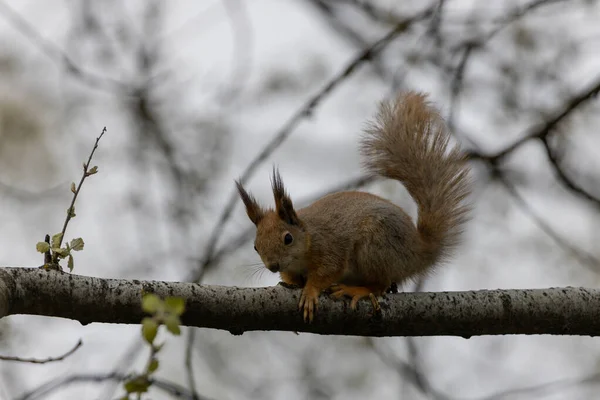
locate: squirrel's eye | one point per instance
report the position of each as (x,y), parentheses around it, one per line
(288,239)
(255,249)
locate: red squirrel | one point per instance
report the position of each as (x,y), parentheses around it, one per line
(357,244)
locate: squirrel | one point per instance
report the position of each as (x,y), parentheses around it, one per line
(357,244)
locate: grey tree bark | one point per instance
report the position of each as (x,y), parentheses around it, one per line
(558,311)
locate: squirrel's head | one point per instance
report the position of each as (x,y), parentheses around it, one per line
(281,241)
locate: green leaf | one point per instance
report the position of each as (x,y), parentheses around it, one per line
(56,239)
(151,303)
(77,244)
(62,252)
(71,212)
(149,329)
(73,187)
(93,170)
(137,385)
(42,247)
(153,365)
(172,323)
(176,305)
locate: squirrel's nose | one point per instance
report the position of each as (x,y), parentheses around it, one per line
(273,267)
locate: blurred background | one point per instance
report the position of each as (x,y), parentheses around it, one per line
(197,94)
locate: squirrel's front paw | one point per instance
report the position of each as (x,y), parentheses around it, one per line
(308,302)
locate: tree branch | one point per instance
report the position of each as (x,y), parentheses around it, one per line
(560,311)
(55,384)
(54,52)
(45,360)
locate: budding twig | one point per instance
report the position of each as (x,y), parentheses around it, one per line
(71,210)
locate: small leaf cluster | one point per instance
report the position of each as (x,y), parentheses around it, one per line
(61,252)
(165,312)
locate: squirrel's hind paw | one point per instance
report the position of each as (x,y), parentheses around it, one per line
(356,293)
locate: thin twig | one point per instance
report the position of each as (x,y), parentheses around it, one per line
(542,132)
(374,12)
(189,362)
(504,23)
(586,258)
(457,83)
(46,360)
(47,254)
(562,176)
(538,391)
(436,22)
(55,384)
(86,173)
(349,31)
(468,48)
(406,370)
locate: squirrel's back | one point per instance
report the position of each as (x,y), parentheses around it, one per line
(409,142)
(374,238)
(346,212)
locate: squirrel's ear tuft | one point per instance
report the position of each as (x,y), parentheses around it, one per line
(283,203)
(254,211)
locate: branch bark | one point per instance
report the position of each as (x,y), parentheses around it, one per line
(558,311)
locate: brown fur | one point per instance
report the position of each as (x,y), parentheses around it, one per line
(358,243)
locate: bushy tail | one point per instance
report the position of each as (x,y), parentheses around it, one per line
(409,141)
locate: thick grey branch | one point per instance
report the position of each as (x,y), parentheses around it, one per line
(561,311)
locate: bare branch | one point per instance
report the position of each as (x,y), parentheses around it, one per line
(55,384)
(562,176)
(584,257)
(550,388)
(542,132)
(46,360)
(558,311)
(409,372)
(57,54)
(376,13)
(189,360)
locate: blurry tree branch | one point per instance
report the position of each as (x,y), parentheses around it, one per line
(586,258)
(419,380)
(410,372)
(87,77)
(543,131)
(560,311)
(56,384)
(45,360)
